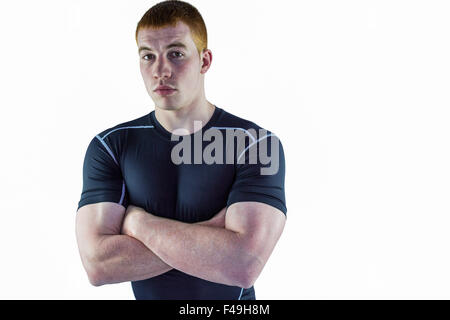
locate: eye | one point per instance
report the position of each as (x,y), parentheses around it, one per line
(143,58)
(175,54)
(178,54)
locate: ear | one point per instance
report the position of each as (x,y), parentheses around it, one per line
(205,60)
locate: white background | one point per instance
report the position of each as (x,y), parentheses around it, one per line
(357,91)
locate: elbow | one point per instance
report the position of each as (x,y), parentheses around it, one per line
(95,278)
(95,274)
(252,263)
(248,277)
(246,283)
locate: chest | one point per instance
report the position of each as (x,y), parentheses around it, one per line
(188,192)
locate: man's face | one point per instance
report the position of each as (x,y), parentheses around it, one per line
(169,57)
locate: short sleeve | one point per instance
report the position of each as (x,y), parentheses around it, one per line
(261,176)
(102,177)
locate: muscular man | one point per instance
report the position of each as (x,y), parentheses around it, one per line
(170,201)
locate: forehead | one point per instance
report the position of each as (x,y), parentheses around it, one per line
(159,37)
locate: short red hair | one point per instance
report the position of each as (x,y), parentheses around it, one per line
(169,13)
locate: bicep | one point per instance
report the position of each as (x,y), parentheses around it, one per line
(94,221)
(259,225)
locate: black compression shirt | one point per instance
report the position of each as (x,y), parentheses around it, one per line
(132,163)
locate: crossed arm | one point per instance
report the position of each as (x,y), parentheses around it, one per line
(231,248)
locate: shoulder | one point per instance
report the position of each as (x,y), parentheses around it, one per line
(141,122)
(114,138)
(229,121)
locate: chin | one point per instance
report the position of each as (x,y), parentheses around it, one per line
(166,107)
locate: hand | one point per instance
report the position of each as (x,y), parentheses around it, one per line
(131,220)
(217,221)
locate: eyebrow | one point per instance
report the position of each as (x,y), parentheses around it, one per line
(173,44)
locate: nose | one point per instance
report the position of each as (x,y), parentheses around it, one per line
(161,68)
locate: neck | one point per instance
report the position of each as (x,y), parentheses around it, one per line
(184,117)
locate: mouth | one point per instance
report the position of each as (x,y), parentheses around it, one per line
(165,92)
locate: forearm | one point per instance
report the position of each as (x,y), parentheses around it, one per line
(121,258)
(210,253)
